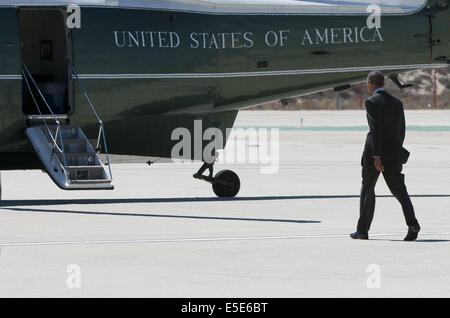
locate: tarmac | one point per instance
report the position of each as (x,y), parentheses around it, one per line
(161,233)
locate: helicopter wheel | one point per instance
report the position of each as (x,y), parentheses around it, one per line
(226,184)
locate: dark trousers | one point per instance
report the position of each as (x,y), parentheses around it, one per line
(396,183)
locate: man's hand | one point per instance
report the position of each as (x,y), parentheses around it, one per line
(378,164)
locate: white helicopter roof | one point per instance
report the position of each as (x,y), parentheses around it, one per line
(310,7)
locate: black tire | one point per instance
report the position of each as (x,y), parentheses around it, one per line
(226,184)
(0,187)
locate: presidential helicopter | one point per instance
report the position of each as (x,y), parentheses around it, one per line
(80,78)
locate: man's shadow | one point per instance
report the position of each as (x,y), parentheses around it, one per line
(416,241)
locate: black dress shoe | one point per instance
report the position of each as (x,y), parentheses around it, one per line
(359,236)
(413,232)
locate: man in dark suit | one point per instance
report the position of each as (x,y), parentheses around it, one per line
(384,153)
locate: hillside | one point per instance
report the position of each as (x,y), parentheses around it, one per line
(418,97)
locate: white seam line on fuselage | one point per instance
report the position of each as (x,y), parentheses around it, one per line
(247,74)
(262,73)
(10,77)
(207,239)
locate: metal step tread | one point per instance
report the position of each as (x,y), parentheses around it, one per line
(65,140)
(96,172)
(73,140)
(85,181)
(69,131)
(85,167)
(78,159)
(78,154)
(63,127)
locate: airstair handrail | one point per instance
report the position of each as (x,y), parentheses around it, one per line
(101,132)
(27,74)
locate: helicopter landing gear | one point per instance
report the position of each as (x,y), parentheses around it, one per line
(225,183)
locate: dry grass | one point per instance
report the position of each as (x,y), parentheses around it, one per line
(418,97)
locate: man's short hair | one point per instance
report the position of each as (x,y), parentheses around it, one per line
(376,78)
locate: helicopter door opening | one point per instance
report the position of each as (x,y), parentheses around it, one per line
(46,53)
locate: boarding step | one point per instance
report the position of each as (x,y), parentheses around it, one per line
(94,181)
(67,131)
(78,159)
(75,146)
(86,173)
(73,165)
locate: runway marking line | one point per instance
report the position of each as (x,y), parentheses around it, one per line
(207,239)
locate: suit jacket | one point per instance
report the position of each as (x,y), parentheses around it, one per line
(386,119)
